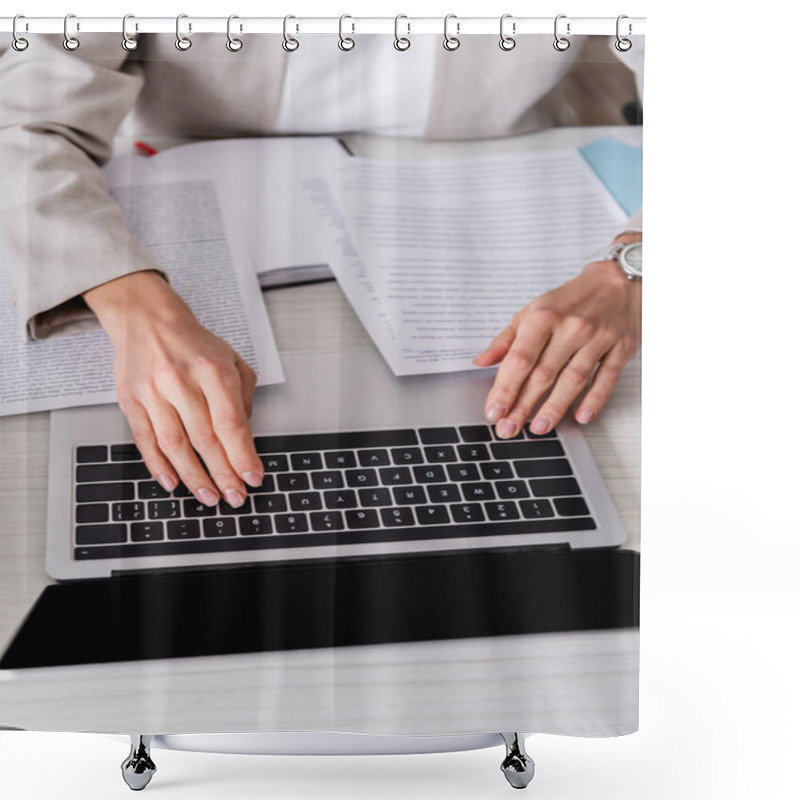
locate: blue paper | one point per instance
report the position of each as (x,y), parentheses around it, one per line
(619,167)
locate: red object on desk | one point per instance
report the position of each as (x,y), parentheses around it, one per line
(145,148)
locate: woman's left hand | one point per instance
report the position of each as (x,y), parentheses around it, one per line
(555,344)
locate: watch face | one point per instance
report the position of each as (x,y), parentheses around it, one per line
(631,258)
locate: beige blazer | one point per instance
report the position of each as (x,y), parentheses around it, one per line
(60,231)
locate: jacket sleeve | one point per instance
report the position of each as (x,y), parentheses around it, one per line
(61,231)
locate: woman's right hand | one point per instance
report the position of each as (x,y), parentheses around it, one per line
(182,388)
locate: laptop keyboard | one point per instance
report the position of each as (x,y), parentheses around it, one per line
(336,488)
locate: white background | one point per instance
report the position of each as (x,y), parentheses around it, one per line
(720,604)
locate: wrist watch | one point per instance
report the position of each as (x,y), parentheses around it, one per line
(628,256)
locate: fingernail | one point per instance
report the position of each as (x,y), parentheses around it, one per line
(585,415)
(207,497)
(540,425)
(507,428)
(167,481)
(252,478)
(495,411)
(233,497)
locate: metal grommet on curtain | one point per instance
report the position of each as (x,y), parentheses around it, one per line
(233,44)
(451,42)
(129,43)
(507,42)
(561,43)
(401,42)
(18,43)
(182,42)
(346,42)
(70,42)
(290,44)
(623,45)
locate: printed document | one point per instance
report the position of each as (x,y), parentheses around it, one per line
(437,254)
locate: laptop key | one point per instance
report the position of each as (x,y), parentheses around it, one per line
(343,498)
(163,509)
(477,491)
(495,470)
(541,448)
(277,463)
(511,490)
(327,521)
(342,459)
(432,473)
(100,492)
(120,512)
(395,476)
(125,452)
(94,512)
(571,506)
(267,486)
(91,453)
(432,515)
(407,455)
(291,523)
(473,452)
(327,480)
(467,512)
(151,490)
(444,493)
(293,482)
(228,510)
(535,509)
(463,472)
(255,526)
(183,529)
(374,458)
(101,534)
(397,517)
(543,468)
(552,487)
(501,511)
(305,501)
(361,477)
(475,433)
(409,495)
(194,508)
(362,518)
(438,435)
(269,503)
(375,497)
(440,455)
(306,461)
(220,526)
(147,531)
(123,471)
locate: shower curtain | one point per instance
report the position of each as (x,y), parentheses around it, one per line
(338,338)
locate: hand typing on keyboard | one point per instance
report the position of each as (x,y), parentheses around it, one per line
(181,388)
(555,343)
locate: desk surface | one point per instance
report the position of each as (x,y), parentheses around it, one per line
(374,689)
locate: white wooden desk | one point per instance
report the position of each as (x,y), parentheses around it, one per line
(580,683)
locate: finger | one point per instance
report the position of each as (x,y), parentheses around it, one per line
(571,381)
(174,442)
(192,406)
(558,351)
(248,382)
(531,337)
(497,349)
(229,420)
(145,438)
(603,383)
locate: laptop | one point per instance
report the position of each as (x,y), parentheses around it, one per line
(358,463)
